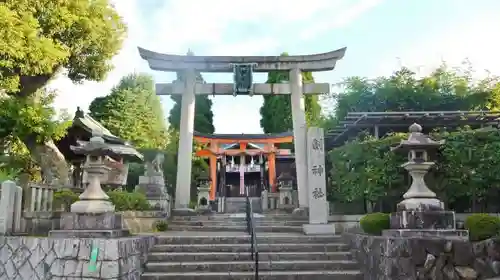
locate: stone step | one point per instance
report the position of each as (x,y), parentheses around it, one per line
(238,223)
(245,239)
(262,247)
(240,217)
(221,266)
(264,275)
(245,256)
(258,228)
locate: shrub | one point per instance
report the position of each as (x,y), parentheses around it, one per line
(374,223)
(64,198)
(193,204)
(482,226)
(125,201)
(161,225)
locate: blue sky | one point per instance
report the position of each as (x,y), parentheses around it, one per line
(380,36)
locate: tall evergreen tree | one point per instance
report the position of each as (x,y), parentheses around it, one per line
(133,112)
(204,117)
(276,111)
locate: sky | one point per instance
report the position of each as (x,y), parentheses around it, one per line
(380,36)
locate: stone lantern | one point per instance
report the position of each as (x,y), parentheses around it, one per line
(203,192)
(421,213)
(93,215)
(285,183)
(94,199)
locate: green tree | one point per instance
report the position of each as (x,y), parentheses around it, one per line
(204,117)
(133,111)
(25,122)
(444,89)
(276,111)
(38,39)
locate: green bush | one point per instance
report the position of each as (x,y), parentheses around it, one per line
(129,201)
(193,204)
(374,223)
(161,225)
(482,226)
(64,198)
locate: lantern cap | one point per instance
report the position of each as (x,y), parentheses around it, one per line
(418,140)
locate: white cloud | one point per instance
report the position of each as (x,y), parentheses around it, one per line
(176,25)
(73,95)
(473,40)
(254,46)
(334,19)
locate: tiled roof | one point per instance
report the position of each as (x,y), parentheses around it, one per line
(245,136)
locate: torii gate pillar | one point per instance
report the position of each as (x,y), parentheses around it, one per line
(184,154)
(299,137)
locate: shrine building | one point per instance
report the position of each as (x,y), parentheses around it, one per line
(245,160)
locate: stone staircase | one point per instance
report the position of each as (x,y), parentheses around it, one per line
(218,247)
(238,205)
(236,223)
(227,256)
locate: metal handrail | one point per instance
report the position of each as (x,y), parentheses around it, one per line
(254,251)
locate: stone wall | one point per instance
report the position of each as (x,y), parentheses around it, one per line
(40,223)
(32,258)
(384,258)
(142,221)
(345,223)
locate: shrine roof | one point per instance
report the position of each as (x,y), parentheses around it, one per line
(386,122)
(284,137)
(92,126)
(84,127)
(125,151)
(236,145)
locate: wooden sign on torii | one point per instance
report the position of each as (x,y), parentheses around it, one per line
(242,67)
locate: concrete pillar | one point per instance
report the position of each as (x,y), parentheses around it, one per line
(299,135)
(184,157)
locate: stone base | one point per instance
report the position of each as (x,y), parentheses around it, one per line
(443,233)
(289,209)
(104,221)
(158,204)
(319,229)
(204,211)
(301,212)
(91,225)
(423,220)
(183,212)
(92,206)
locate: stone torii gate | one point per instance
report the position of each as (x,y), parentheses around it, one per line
(242,67)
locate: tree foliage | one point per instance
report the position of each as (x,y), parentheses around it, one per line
(276,111)
(24,122)
(39,38)
(467,167)
(23,116)
(444,89)
(133,112)
(204,117)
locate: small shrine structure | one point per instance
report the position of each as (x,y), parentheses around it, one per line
(240,160)
(79,135)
